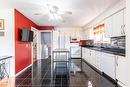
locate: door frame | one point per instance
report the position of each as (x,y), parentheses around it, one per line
(37,31)
(40,50)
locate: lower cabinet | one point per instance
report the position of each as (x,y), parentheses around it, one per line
(108,65)
(121,70)
(83,53)
(92,58)
(98,60)
(112,65)
(87,54)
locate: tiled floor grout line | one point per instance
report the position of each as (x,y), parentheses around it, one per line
(29,74)
(23,80)
(46,80)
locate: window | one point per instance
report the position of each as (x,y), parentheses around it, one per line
(99,34)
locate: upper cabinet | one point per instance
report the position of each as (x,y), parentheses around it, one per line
(88,34)
(115,25)
(108,27)
(124,21)
(118,24)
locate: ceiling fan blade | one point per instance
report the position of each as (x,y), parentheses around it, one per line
(65,12)
(38,14)
(41,13)
(68,12)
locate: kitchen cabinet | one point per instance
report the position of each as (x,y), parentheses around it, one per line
(98,59)
(124,21)
(108,65)
(88,34)
(112,65)
(121,69)
(108,27)
(115,24)
(87,54)
(118,24)
(92,57)
(84,34)
(83,53)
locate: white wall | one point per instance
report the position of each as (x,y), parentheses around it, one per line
(7,42)
(128,40)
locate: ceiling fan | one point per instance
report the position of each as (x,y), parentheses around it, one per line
(55,13)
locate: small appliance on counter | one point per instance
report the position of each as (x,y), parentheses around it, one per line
(82,42)
(86,43)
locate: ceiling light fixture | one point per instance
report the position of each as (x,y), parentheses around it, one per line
(54,13)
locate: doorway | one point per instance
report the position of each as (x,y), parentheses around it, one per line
(46,44)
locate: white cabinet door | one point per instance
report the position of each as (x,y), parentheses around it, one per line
(108,27)
(88,34)
(83,52)
(87,54)
(121,69)
(108,64)
(84,35)
(124,28)
(118,20)
(92,57)
(98,56)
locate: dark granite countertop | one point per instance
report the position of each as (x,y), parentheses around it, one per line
(114,51)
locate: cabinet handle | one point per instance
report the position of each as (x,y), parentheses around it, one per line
(121,29)
(116,61)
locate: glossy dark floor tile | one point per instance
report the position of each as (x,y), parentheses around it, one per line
(40,74)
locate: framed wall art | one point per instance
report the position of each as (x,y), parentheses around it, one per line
(1,24)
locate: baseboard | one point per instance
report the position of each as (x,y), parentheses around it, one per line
(23,70)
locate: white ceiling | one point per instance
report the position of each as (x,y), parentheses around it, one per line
(83,11)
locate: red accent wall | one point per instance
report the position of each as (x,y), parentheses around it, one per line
(22,49)
(23,52)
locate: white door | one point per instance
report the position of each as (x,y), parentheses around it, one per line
(121,69)
(118,20)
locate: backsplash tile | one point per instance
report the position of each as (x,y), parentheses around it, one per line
(118,42)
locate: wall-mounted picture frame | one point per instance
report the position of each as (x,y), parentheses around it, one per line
(1,24)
